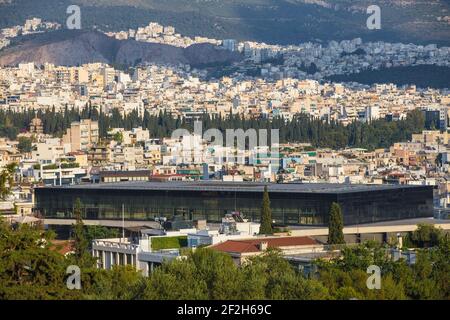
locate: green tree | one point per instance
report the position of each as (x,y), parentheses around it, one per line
(266,214)
(118,137)
(7,180)
(176,280)
(426,235)
(221,275)
(100,232)
(208,274)
(29,268)
(441,267)
(335,225)
(119,283)
(80,244)
(345,275)
(280,281)
(25,144)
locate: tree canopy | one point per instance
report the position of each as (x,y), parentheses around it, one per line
(32,268)
(303,128)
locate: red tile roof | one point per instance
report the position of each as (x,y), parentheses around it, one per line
(253,245)
(62,246)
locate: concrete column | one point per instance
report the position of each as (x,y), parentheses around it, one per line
(95,254)
(98,253)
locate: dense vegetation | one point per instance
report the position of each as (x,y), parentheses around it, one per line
(426,236)
(423,76)
(428,278)
(271,21)
(32,268)
(25,144)
(302,128)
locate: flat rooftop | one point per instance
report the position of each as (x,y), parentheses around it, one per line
(323,188)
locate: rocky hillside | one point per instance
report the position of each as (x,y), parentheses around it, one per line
(70,48)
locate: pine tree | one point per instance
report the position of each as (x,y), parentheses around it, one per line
(336,225)
(266,214)
(7,180)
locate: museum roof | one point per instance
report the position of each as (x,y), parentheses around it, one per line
(238,186)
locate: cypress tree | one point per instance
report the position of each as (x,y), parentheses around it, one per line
(336,225)
(80,243)
(266,214)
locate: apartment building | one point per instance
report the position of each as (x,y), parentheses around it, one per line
(431,138)
(79,75)
(99,155)
(48,151)
(131,137)
(82,135)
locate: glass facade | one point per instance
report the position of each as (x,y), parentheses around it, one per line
(401,203)
(288,208)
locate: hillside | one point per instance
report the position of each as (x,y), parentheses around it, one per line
(70,48)
(271,21)
(422,76)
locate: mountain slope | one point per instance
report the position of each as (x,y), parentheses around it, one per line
(76,47)
(271,21)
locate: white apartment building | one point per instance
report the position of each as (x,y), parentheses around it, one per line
(138,252)
(48,151)
(56,175)
(131,137)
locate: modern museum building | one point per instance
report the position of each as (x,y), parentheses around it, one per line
(291,204)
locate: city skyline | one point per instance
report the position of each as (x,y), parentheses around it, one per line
(200,151)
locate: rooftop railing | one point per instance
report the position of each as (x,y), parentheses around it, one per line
(119,243)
